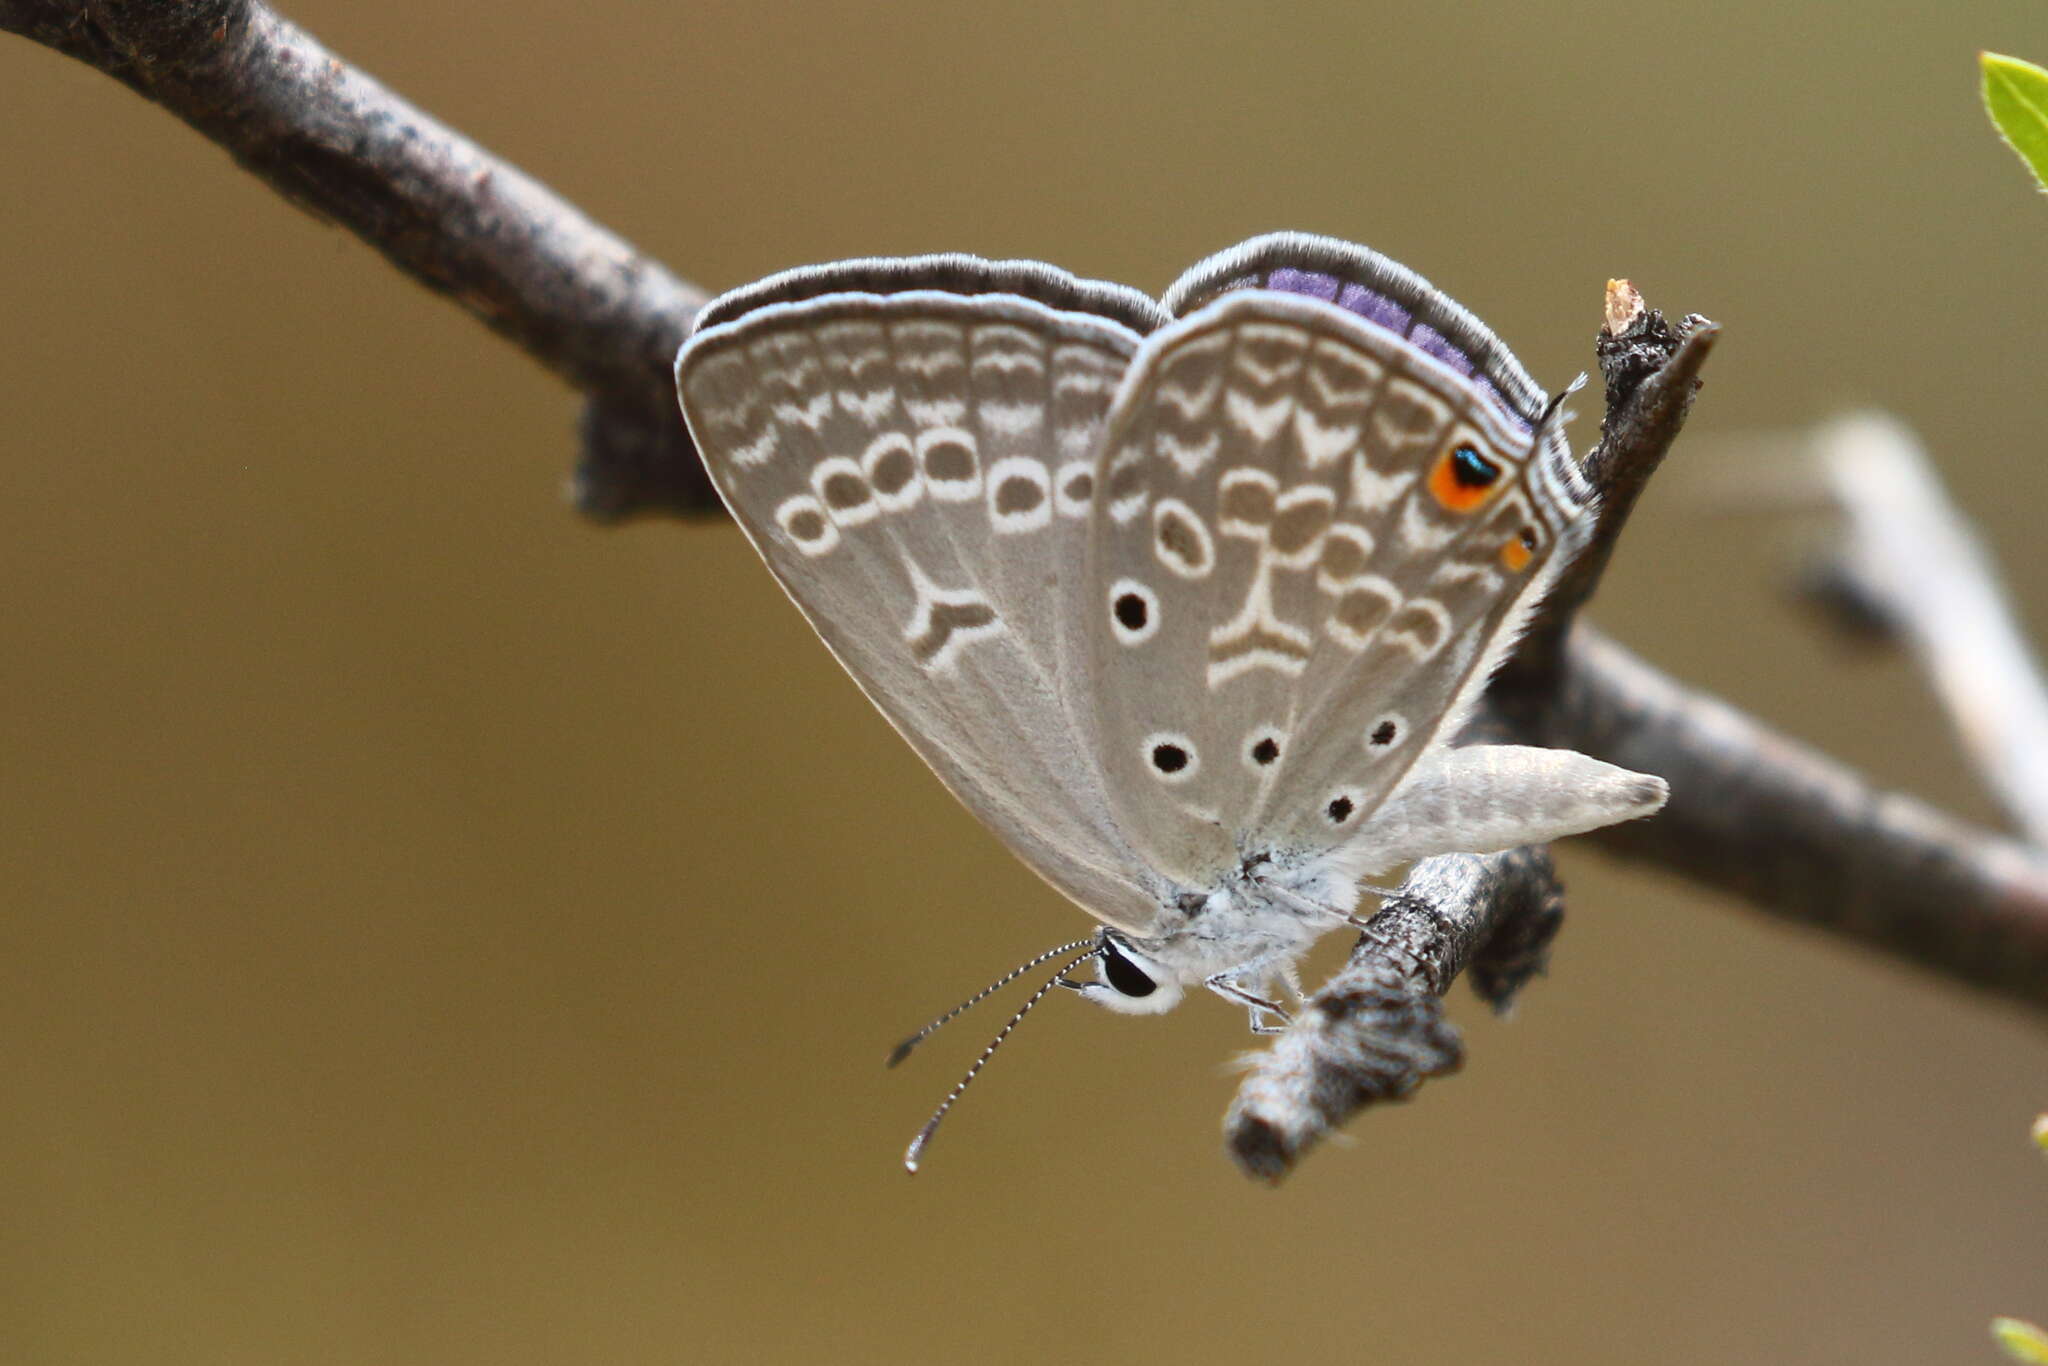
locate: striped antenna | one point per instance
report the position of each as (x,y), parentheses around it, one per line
(915,1153)
(902,1050)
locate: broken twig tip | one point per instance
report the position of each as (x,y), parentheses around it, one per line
(1624,305)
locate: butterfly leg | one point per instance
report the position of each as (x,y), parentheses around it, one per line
(1292,976)
(1364,927)
(1259,1006)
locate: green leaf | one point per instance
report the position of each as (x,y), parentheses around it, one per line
(2016,97)
(2021,1340)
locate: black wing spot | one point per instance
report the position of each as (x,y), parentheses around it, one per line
(1265,751)
(1169,758)
(1385,733)
(1472,470)
(1131,612)
(1339,810)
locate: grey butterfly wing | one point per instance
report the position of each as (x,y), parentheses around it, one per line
(915,467)
(1321,596)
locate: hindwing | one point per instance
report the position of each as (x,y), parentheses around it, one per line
(1313,540)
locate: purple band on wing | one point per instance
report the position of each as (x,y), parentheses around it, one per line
(1381,311)
(1376,308)
(1433,343)
(1303,282)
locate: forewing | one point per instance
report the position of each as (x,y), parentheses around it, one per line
(1332,533)
(916,467)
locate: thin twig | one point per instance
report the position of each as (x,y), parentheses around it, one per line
(1376,1030)
(466,224)
(1911,562)
(1762,816)
(1650,371)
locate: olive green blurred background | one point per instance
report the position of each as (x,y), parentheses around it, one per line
(438,930)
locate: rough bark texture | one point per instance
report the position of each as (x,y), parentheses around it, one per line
(525,262)
(1376,1030)
(1762,816)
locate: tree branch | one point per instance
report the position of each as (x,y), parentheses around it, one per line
(1910,566)
(462,222)
(1763,816)
(1376,1030)
(1650,370)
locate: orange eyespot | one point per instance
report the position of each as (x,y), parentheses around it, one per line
(1464,477)
(1517,553)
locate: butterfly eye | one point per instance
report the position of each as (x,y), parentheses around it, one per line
(1463,477)
(1120,972)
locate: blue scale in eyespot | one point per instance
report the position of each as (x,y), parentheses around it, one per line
(1472,469)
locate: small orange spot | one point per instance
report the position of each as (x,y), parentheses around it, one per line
(1515,555)
(1462,478)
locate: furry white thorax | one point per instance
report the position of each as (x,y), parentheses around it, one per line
(1245,932)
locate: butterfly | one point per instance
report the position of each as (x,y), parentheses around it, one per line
(1186,599)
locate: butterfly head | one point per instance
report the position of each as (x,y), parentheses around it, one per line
(1128,980)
